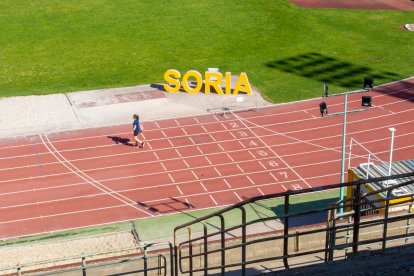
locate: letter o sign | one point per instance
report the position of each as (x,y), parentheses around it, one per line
(199,81)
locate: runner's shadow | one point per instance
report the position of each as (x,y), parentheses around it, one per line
(120,140)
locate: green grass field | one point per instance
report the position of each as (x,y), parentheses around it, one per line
(49,46)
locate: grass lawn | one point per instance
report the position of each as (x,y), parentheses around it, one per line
(49,46)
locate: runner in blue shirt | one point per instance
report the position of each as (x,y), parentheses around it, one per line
(137,130)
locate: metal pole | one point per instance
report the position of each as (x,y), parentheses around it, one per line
(341,192)
(391,149)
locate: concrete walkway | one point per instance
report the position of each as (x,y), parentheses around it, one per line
(108,107)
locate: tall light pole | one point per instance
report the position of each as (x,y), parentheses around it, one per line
(341,192)
(391,149)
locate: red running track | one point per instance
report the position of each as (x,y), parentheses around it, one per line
(52,182)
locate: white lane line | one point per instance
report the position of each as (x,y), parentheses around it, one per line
(176,170)
(208,160)
(62,214)
(242,120)
(232,160)
(251,154)
(227,183)
(162,165)
(269,135)
(212,198)
(251,181)
(221,147)
(156,156)
(240,168)
(172,179)
(217,171)
(178,188)
(243,146)
(194,174)
(185,162)
(274,177)
(260,191)
(240,199)
(189,204)
(263,166)
(204,187)
(87,178)
(155,200)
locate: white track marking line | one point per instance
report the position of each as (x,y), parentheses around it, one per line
(252,153)
(263,166)
(194,174)
(168,139)
(260,191)
(197,121)
(221,147)
(302,130)
(260,139)
(188,203)
(214,116)
(85,177)
(240,199)
(204,187)
(243,146)
(240,168)
(232,160)
(62,214)
(172,179)
(156,156)
(178,124)
(217,171)
(215,202)
(274,177)
(251,181)
(185,162)
(178,188)
(179,154)
(226,129)
(131,176)
(198,194)
(227,183)
(208,160)
(338,149)
(260,116)
(232,135)
(165,169)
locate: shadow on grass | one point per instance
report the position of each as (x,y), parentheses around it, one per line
(177,206)
(308,219)
(330,70)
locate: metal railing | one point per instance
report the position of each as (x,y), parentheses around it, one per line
(209,251)
(96,264)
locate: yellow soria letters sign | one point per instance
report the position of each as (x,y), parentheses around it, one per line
(211,80)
